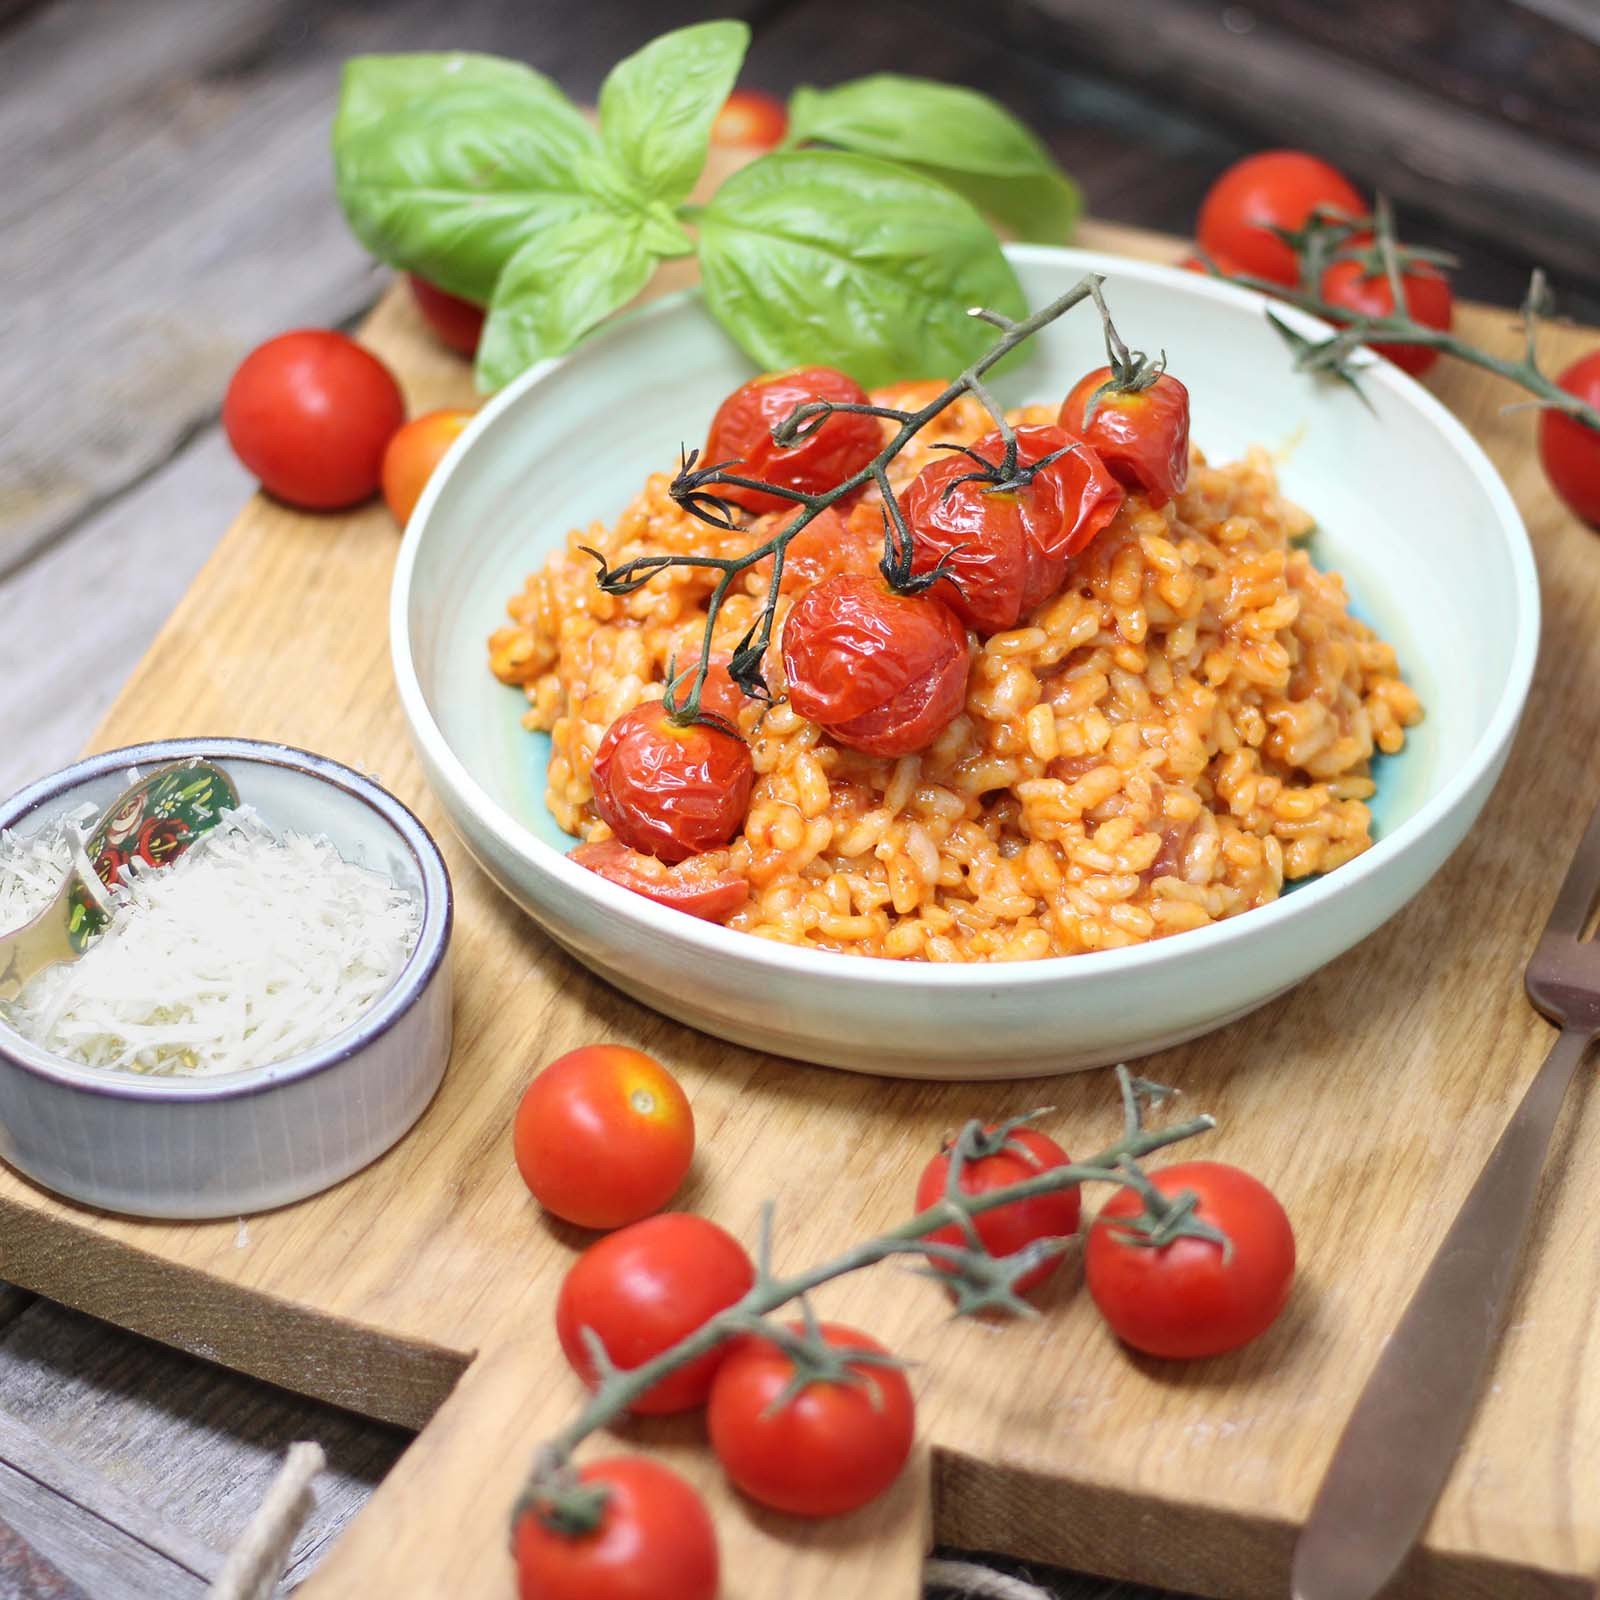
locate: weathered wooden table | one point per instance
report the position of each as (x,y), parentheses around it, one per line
(167,205)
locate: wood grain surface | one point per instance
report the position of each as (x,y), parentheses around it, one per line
(1367,1098)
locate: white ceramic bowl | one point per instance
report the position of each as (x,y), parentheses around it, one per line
(1408,507)
(242,1141)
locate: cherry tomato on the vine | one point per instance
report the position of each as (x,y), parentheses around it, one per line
(828,1449)
(655,1541)
(830,544)
(742,431)
(883,672)
(1569,451)
(671,791)
(413,453)
(1365,290)
(1190,1298)
(455,322)
(603,1136)
(1006,551)
(645,1287)
(1006,1229)
(702,886)
(1272,189)
(752,118)
(1194,263)
(310,413)
(1142,435)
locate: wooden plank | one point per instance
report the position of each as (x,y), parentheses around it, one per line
(26,1575)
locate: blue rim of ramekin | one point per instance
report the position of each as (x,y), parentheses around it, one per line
(438,915)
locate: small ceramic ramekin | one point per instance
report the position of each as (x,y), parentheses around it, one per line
(193,1147)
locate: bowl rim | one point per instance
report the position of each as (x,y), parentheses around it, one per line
(714,941)
(412,981)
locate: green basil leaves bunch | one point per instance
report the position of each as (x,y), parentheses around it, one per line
(859,244)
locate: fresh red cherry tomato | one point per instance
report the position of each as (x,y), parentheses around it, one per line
(742,431)
(701,886)
(1272,189)
(645,1287)
(1190,1298)
(1194,263)
(669,791)
(1569,451)
(882,672)
(830,1448)
(455,322)
(1142,435)
(603,1136)
(1006,551)
(1024,1154)
(413,453)
(655,1541)
(752,118)
(309,413)
(1364,289)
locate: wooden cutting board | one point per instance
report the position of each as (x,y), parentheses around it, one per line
(421,1290)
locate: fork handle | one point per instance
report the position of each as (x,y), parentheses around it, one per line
(1397,1449)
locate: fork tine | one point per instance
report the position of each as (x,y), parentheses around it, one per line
(1580,887)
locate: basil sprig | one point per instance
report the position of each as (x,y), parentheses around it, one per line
(481,176)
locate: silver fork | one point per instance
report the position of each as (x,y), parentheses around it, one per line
(1401,1440)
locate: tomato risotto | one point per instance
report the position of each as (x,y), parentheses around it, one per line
(1185,725)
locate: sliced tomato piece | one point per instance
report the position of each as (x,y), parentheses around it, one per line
(699,886)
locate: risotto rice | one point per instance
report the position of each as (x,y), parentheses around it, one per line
(1185,726)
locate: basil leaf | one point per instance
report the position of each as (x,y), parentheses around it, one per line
(448,165)
(657,105)
(559,285)
(817,257)
(956,135)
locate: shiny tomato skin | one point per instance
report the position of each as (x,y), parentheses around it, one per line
(645,1287)
(1141,435)
(751,118)
(1184,1301)
(1428,299)
(1006,1229)
(883,673)
(1569,451)
(831,1449)
(603,1136)
(655,1541)
(310,413)
(671,792)
(455,322)
(1271,189)
(1006,552)
(741,431)
(411,456)
(712,893)
(829,545)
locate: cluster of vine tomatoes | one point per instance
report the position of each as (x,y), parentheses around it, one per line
(604,1137)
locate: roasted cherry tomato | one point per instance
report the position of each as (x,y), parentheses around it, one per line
(604,1136)
(828,1449)
(669,791)
(1273,189)
(160,838)
(882,672)
(1142,435)
(751,118)
(1364,289)
(455,322)
(655,1541)
(1569,451)
(1190,1298)
(413,453)
(310,413)
(741,431)
(1025,1153)
(1005,551)
(830,544)
(702,886)
(644,1288)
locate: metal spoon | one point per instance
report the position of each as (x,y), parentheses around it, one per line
(156,821)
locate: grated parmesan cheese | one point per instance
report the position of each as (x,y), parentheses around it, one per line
(248,949)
